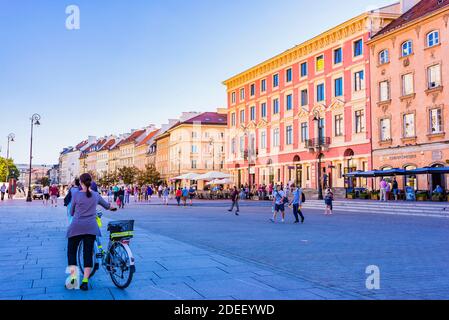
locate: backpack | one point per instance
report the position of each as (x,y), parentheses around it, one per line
(303,197)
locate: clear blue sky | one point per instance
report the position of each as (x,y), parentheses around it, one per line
(136,62)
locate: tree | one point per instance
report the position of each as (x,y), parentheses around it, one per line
(6,164)
(45,181)
(128,174)
(148,176)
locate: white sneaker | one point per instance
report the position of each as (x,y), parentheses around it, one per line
(72,283)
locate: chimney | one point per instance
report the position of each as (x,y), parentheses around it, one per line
(406,5)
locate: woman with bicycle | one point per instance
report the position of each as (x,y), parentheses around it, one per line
(83,228)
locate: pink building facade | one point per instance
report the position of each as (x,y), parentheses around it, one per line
(307,109)
(410,80)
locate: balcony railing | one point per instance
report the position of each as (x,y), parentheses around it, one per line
(323,142)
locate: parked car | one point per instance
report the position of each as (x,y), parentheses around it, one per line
(38,194)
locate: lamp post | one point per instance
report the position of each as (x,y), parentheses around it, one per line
(10,137)
(34,121)
(319,145)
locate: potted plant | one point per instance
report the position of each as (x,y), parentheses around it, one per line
(364,195)
(421,196)
(375,195)
(351,195)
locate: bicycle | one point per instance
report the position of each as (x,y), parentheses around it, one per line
(118,259)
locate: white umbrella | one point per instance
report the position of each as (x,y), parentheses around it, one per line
(187,176)
(213,175)
(223,181)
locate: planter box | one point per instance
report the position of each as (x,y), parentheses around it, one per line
(351,196)
(421,198)
(375,197)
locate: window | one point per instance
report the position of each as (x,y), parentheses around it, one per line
(233,120)
(263,110)
(263,85)
(407,84)
(338,87)
(194,135)
(275,106)
(276,137)
(194,148)
(194,164)
(359,82)
(358,48)
(242,144)
(407,48)
(242,94)
(233,99)
(242,116)
(276,80)
(409,125)
(359,121)
(320,92)
(338,56)
(320,63)
(233,146)
(288,75)
(384,57)
(303,69)
(339,125)
(289,102)
(253,90)
(433,39)
(384,91)
(436,125)
(304,97)
(263,139)
(253,113)
(322,129)
(385,129)
(434,76)
(304,131)
(289,135)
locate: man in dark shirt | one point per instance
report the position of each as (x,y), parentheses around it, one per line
(235,201)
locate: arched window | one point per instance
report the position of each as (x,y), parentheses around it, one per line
(384,57)
(433,38)
(407,48)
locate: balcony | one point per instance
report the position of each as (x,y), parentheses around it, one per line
(316,143)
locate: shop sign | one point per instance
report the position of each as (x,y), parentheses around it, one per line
(402,157)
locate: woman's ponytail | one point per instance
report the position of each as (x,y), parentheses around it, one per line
(86,180)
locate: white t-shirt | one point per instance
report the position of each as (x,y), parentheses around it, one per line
(46,190)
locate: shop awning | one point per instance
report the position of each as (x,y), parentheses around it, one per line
(397,172)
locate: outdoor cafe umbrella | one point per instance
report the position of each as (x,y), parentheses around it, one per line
(187,176)
(213,175)
(221,181)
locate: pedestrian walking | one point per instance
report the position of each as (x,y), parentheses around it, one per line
(54,195)
(121,197)
(150,193)
(3,191)
(185,195)
(165,195)
(235,201)
(83,228)
(328,200)
(279,202)
(383,190)
(395,189)
(296,203)
(178,196)
(192,193)
(46,195)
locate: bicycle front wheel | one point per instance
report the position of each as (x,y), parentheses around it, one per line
(121,265)
(80,258)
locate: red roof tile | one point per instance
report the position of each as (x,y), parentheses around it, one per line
(421,9)
(108,145)
(147,138)
(212,118)
(132,137)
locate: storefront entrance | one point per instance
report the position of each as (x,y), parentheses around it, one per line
(437,179)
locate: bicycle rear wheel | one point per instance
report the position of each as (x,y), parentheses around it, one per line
(121,265)
(80,258)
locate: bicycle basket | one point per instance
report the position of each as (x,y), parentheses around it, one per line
(121,229)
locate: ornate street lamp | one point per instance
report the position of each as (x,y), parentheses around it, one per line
(35,118)
(319,145)
(11,138)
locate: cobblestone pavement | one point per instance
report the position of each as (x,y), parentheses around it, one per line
(204,252)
